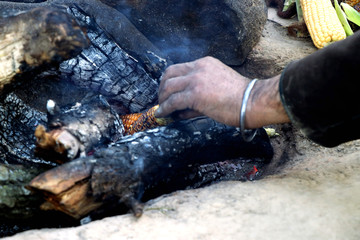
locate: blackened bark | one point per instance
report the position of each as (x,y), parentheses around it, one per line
(78,129)
(122,31)
(106,68)
(139,163)
(17,125)
(34,41)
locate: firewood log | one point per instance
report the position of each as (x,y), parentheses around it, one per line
(78,129)
(138,163)
(16,202)
(109,69)
(36,40)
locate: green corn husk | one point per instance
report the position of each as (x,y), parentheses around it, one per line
(351,13)
(342,17)
(299,11)
(287,4)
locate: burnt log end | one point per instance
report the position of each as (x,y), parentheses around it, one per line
(36,40)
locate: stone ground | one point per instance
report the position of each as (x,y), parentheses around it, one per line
(313,194)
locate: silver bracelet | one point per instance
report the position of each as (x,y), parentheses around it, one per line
(250,136)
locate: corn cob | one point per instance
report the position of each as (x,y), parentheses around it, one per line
(138,122)
(357,7)
(322,22)
(352,2)
(129,119)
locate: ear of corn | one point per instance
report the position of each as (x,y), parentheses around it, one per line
(357,7)
(138,122)
(322,22)
(352,2)
(128,120)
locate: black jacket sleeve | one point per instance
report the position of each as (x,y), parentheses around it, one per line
(321,93)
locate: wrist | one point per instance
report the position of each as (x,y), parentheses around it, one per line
(264,106)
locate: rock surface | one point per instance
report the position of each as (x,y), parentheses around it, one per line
(275,49)
(314,195)
(188,30)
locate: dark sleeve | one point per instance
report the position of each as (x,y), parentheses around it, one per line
(321,93)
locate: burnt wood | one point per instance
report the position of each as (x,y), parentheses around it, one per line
(77,129)
(106,68)
(136,164)
(124,68)
(34,41)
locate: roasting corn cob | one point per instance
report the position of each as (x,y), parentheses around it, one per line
(137,122)
(322,22)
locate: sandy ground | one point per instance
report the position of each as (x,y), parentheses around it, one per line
(313,194)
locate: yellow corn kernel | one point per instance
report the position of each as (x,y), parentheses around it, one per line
(128,120)
(137,122)
(322,22)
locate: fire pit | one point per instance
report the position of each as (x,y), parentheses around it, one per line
(113,71)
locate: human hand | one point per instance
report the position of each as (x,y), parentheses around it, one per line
(202,87)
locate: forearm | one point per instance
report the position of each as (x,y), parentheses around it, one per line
(320,93)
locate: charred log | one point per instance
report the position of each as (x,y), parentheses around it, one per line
(18,206)
(36,40)
(17,124)
(103,68)
(24,109)
(127,35)
(136,164)
(78,129)
(106,68)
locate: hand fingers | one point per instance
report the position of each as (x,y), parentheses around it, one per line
(171,86)
(186,114)
(177,70)
(174,71)
(176,102)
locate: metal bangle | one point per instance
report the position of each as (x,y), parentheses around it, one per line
(250,136)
